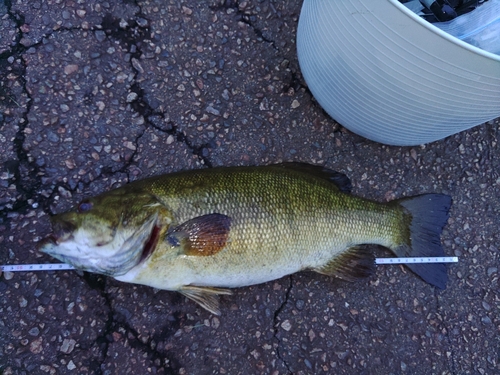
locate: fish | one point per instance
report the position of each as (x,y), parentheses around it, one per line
(203,232)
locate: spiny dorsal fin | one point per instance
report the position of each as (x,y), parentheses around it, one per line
(206,297)
(338,179)
(202,236)
(355,263)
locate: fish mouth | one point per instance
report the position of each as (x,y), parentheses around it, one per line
(134,251)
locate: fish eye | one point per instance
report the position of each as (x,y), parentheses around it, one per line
(85,206)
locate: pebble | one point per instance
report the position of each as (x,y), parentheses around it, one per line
(187,11)
(67,346)
(71,68)
(137,65)
(71,365)
(121,77)
(100,105)
(36,346)
(23,302)
(286,325)
(486,320)
(130,145)
(100,35)
(132,97)
(295,104)
(215,322)
(299,304)
(213,111)
(53,137)
(311,335)
(142,22)
(308,364)
(70,163)
(63,192)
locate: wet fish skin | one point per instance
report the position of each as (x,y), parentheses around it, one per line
(199,231)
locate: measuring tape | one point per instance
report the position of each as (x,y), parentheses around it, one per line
(416,260)
(36,267)
(63,266)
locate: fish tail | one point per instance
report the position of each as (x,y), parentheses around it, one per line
(428,214)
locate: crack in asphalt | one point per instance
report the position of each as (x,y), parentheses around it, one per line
(19,21)
(142,107)
(116,322)
(132,35)
(246,18)
(98,283)
(25,172)
(295,83)
(276,324)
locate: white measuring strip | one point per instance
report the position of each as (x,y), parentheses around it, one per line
(63,266)
(416,260)
(36,267)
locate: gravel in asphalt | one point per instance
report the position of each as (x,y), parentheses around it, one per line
(96,94)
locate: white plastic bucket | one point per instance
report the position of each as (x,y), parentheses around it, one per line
(388,75)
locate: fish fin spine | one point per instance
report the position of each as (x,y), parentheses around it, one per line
(355,263)
(206,297)
(340,180)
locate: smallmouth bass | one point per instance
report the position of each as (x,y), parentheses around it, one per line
(200,232)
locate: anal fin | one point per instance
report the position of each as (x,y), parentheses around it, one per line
(206,297)
(355,263)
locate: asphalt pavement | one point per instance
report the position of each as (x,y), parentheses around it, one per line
(96,94)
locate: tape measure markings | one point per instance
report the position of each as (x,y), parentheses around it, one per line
(416,260)
(36,267)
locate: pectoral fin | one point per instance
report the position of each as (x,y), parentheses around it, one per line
(202,236)
(206,297)
(355,263)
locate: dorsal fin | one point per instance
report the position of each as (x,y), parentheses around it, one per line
(338,179)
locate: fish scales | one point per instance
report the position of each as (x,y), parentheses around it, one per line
(231,227)
(296,223)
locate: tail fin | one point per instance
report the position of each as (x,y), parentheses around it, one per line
(429,213)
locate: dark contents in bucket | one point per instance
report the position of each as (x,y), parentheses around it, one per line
(445,10)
